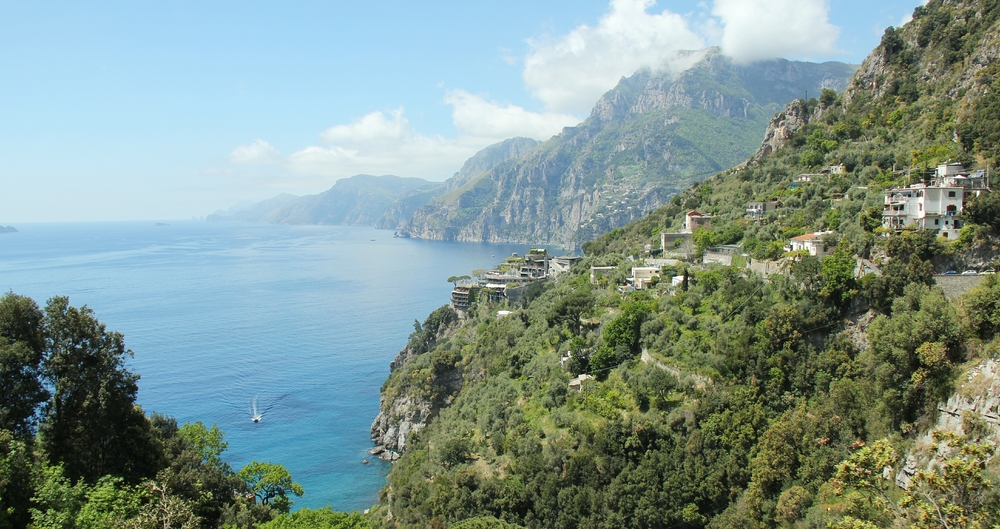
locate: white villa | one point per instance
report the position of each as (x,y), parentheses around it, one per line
(936,206)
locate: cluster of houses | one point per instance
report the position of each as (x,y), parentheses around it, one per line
(510,278)
(936,204)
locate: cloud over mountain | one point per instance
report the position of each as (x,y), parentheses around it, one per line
(384,142)
(754,30)
(570,72)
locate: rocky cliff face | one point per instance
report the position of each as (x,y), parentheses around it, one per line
(782,127)
(645,140)
(404,407)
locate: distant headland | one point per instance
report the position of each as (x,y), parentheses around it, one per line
(8,229)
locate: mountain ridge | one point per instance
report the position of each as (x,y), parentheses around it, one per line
(645,140)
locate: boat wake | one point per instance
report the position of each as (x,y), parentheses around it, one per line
(255,415)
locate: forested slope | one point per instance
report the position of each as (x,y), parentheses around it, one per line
(807,399)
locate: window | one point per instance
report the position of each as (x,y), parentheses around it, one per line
(937,222)
(951,194)
(921,207)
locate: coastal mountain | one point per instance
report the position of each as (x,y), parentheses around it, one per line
(852,391)
(399,213)
(252,212)
(387,202)
(358,200)
(645,140)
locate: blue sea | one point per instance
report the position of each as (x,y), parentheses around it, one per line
(301,320)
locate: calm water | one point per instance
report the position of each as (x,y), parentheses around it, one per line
(304,319)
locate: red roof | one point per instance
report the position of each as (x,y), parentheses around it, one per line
(806,237)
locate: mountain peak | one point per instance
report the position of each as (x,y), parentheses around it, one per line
(715,83)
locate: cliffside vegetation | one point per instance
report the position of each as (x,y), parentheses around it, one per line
(807,399)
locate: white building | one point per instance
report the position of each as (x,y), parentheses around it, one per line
(642,276)
(812,243)
(757,210)
(937,206)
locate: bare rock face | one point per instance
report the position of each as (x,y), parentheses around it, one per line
(403,410)
(397,420)
(783,126)
(978,396)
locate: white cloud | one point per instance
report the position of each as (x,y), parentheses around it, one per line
(384,142)
(373,128)
(475,117)
(259,152)
(768,29)
(571,72)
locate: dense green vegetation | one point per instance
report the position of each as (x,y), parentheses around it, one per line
(751,399)
(76,452)
(734,400)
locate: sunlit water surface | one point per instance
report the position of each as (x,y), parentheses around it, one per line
(304,319)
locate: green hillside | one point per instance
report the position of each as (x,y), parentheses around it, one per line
(812,398)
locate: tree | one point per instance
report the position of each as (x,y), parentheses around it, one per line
(569,309)
(955,493)
(91,424)
(15,481)
(985,210)
(983,307)
(838,278)
(208,443)
(271,484)
(21,351)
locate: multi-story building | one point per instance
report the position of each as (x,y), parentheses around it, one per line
(935,206)
(757,210)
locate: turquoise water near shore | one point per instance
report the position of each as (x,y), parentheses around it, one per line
(304,319)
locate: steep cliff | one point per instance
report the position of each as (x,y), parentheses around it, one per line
(645,140)
(418,385)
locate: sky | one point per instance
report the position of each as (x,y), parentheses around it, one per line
(173,110)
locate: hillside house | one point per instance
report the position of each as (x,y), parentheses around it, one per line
(812,243)
(694,221)
(757,210)
(462,297)
(562,265)
(577,383)
(642,276)
(935,206)
(722,254)
(596,272)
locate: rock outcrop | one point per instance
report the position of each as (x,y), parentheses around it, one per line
(405,407)
(782,127)
(977,398)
